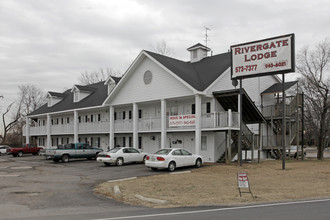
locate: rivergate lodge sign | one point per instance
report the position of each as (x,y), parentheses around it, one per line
(264,57)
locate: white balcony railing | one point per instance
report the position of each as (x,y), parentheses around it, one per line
(123,125)
(62,129)
(94,127)
(149,124)
(40,130)
(208,121)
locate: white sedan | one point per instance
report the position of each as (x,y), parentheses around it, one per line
(171,158)
(121,155)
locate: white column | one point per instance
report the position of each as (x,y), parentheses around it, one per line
(198,130)
(135,125)
(163,123)
(49,143)
(75,126)
(27,130)
(112,127)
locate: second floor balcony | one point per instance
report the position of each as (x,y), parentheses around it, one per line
(210,121)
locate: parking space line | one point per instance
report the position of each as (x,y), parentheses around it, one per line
(118,180)
(10,175)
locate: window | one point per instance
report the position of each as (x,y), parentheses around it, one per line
(79,139)
(62,140)
(67,120)
(86,118)
(62,120)
(177,153)
(204,143)
(174,110)
(194,53)
(124,141)
(67,140)
(140,142)
(208,107)
(186,153)
(130,144)
(57,121)
(115,141)
(91,141)
(79,119)
(115,116)
(130,114)
(76,96)
(99,117)
(52,121)
(193,109)
(86,140)
(140,113)
(92,118)
(43,122)
(124,115)
(98,142)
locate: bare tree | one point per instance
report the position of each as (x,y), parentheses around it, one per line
(7,126)
(313,65)
(29,99)
(161,47)
(95,77)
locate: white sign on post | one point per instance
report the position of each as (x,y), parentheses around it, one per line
(243,181)
(265,57)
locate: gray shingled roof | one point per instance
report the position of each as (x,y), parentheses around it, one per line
(200,74)
(96,98)
(277,87)
(56,94)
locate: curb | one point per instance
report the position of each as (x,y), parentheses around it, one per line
(156,201)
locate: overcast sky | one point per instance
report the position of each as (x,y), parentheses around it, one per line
(49,43)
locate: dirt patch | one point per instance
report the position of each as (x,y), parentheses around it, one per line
(217,185)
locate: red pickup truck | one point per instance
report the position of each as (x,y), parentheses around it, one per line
(26,149)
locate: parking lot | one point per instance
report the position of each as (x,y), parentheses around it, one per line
(31,185)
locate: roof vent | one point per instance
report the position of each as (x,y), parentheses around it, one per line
(198,52)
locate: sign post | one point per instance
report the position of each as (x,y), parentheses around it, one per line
(243,183)
(264,57)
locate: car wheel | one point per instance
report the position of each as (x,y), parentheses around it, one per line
(107,164)
(171,166)
(65,158)
(20,153)
(198,163)
(120,161)
(154,168)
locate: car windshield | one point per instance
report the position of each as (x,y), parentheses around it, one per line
(163,151)
(114,150)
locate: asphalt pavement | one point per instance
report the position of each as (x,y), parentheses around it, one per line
(35,188)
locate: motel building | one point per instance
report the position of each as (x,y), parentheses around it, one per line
(162,102)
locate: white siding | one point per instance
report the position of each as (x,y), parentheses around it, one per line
(163,85)
(253,86)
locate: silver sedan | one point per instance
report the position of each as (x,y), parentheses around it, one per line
(121,155)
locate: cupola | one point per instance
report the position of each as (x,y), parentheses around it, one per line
(198,52)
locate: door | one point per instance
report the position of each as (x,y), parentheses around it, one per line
(178,158)
(189,160)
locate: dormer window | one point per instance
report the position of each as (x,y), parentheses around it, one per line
(54,98)
(81,92)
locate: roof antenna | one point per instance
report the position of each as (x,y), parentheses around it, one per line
(206,36)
